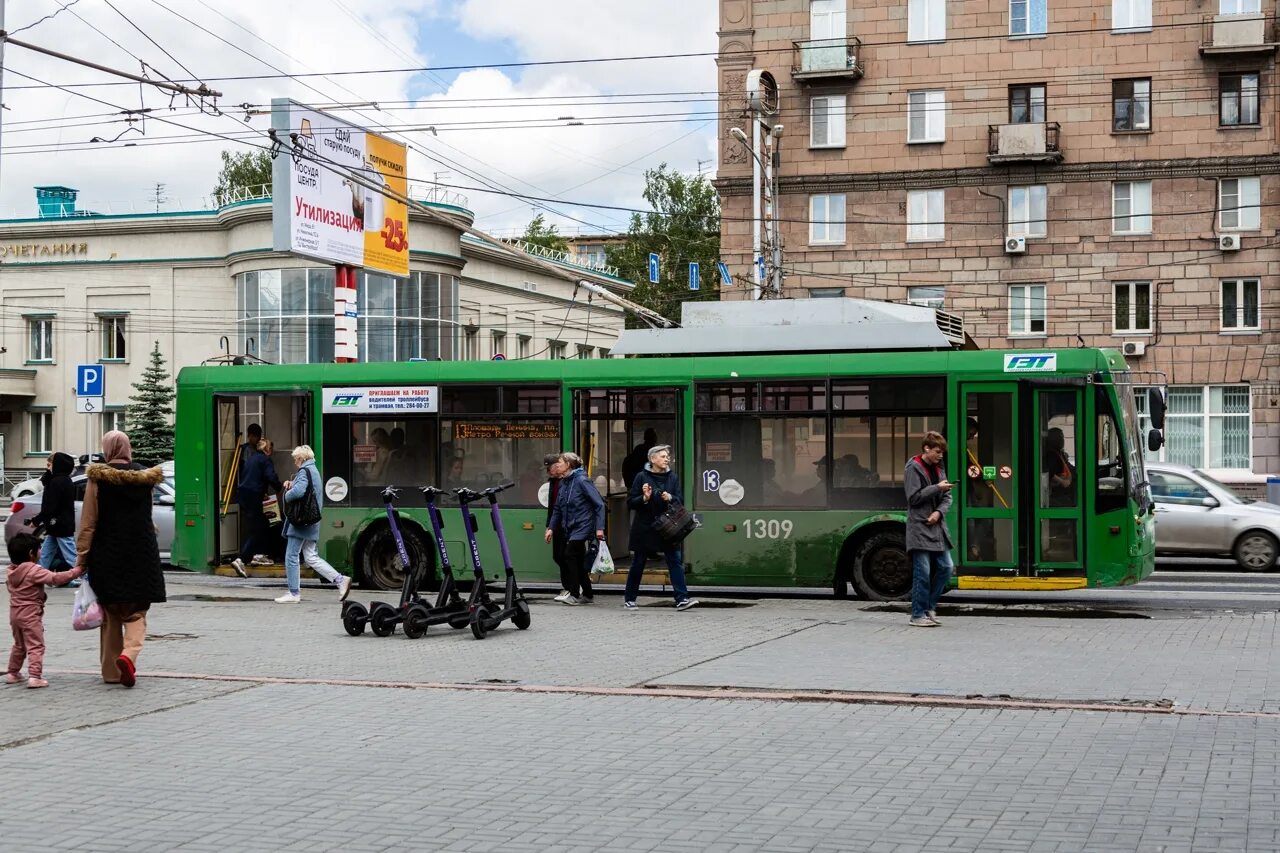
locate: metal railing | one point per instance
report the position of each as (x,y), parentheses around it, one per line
(1052,136)
(233,195)
(562,257)
(827,58)
(438,195)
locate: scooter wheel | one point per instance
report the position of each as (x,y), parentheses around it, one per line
(415,622)
(383,621)
(522,618)
(460,620)
(354,618)
(479,618)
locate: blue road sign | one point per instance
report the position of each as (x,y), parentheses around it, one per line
(760,269)
(695,276)
(653,267)
(90,381)
(724,273)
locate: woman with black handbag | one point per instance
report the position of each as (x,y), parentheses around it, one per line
(303,499)
(660,523)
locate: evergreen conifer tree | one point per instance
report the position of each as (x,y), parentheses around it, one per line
(149,417)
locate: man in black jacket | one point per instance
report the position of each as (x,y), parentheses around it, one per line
(57,514)
(255,475)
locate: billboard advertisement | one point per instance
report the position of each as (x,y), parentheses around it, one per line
(326,202)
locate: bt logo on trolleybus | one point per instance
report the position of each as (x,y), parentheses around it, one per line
(1045,362)
(345,401)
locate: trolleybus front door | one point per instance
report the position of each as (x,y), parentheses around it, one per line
(989,486)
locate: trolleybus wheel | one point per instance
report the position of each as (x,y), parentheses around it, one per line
(415,622)
(883,570)
(380,559)
(1256,551)
(354,618)
(382,621)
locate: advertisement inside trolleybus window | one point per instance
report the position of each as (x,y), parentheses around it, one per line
(338,190)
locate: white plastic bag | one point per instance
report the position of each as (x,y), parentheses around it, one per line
(86,613)
(603,564)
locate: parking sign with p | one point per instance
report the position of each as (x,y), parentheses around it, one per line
(89,380)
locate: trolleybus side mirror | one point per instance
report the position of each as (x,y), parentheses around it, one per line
(1155,407)
(1155,440)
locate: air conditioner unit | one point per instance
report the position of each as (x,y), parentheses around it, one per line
(1135,348)
(1228,242)
(1015,245)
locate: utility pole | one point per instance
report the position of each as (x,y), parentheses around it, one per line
(2,5)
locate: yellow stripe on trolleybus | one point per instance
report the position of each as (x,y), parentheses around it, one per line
(981,582)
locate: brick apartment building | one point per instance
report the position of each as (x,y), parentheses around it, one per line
(1051,170)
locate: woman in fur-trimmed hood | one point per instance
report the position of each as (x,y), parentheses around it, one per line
(117,544)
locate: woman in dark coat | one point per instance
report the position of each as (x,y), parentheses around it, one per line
(117,544)
(656,488)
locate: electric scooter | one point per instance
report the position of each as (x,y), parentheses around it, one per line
(450,608)
(486,613)
(381,616)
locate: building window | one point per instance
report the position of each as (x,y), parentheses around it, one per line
(522,346)
(1239,7)
(826,121)
(826,219)
(1028,211)
(1028,17)
(1130,14)
(40,334)
(1240,305)
(927,116)
(1237,99)
(928,296)
(826,292)
(1026,309)
(926,215)
(585,351)
(926,20)
(1027,104)
(113,340)
(470,344)
(1131,104)
(498,344)
(39,432)
(1131,207)
(1206,426)
(1132,306)
(113,419)
(555,350)
(1239,203)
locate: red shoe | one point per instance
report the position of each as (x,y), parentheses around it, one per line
(128,674)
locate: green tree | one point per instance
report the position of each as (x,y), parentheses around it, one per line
(247,169)
(149,416)
(684,227)
(539,233)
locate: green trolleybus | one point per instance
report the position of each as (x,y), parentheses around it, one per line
(793,463)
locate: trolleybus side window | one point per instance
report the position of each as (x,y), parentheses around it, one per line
(373,452)
(1112,486)
(498,435)
(876,427)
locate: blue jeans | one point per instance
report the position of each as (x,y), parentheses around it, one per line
(675,565)
(306,548)
(55,547)
(930,572)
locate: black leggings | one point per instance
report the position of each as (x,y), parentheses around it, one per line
(578,557)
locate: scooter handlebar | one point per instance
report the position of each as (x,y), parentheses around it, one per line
(493,490)
(431,492)
(390,494)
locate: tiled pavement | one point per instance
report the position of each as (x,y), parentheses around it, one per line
(199,764)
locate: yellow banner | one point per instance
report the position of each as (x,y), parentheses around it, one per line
(386,243)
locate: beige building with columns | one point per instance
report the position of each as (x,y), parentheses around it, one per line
(1053,171)
(83,288)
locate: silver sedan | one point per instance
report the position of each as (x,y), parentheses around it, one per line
(162,511)
(1198,516)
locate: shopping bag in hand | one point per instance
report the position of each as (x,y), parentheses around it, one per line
(86,612)
(603,564)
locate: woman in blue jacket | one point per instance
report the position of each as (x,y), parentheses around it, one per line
(655,489)
(578,515)
(302,540)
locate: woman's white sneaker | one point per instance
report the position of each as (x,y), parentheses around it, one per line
(289,598)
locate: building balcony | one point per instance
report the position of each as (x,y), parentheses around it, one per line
(824,60)
(1024,143)
(1236,35)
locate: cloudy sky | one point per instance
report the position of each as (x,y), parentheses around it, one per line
(498,128)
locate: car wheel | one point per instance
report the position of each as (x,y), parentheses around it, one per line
(1256,551)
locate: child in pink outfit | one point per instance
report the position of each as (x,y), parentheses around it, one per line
(26,582)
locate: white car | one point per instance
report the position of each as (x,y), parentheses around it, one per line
(1196,516)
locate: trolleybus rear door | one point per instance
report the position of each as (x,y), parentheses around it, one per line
(989,493)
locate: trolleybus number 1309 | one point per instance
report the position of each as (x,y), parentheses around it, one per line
(771,528)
